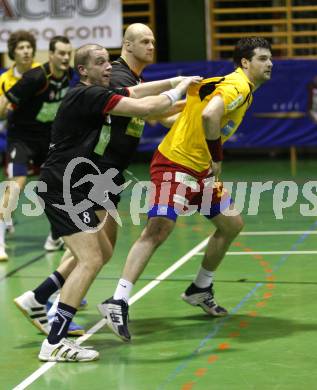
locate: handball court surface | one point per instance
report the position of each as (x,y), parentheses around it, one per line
(267,281)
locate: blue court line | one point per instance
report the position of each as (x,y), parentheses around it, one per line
(219,325)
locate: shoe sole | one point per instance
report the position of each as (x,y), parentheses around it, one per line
(44,359)
(26,314)
(106,314)
(185,299)
(54,249)
(76,333)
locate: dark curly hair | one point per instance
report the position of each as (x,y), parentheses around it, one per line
(17,37)
(245,48)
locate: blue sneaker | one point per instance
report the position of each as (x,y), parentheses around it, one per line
(83,304)
(75,330)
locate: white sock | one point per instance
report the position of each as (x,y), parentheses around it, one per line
(123,290)
(204,278)
(3,226)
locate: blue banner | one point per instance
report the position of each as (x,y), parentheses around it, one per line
(278,116)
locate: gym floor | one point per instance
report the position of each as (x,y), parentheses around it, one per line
(267,281)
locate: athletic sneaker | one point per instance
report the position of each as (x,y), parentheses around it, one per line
(74,329)
(66,351)
(3,254)
(203,297)
(53,245)
(34,311)
(116,313)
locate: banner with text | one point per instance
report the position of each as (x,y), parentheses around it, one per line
(82,21)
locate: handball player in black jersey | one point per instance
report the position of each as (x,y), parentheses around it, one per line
(34,100)
(79,133)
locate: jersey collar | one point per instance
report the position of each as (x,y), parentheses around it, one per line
(123,62)
(245,77)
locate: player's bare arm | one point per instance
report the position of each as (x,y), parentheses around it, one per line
(152,105)
(156,87)
(4,105)
(211,118)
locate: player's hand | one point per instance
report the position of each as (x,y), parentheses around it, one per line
(186,82)
(216,169)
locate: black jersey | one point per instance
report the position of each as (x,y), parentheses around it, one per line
(81,129)
(125,132)
(35,98)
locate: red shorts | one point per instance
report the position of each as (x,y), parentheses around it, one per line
(183,191)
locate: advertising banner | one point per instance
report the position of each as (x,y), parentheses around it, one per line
(82,21)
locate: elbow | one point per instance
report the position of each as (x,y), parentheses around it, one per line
(207,116)
(208,120)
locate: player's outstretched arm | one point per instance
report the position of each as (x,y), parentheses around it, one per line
(156,87)
(152,105)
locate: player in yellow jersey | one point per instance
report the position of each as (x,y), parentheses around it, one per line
(182,169)
(21,49)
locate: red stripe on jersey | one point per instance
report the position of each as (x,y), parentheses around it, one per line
(113,101)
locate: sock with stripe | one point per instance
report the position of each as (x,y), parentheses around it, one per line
(53,283)
(62,319)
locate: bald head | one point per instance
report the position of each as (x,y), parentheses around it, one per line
(136,30)
(138,46)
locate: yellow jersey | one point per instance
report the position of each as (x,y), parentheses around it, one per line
(185,143)
(9,78)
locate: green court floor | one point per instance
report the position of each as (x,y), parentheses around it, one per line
(267,282)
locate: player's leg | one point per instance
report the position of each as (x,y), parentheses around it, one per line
(18,156)
(156,231)
(86,247)
(200,292)
(115,309)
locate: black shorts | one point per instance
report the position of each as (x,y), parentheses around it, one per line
(22,153)
(65,222)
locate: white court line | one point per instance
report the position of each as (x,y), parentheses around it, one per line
(279,233)
(267,253)
(36,374)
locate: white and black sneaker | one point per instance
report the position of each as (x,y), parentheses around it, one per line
(66,351)
(116,313)
(52,245)
(204,297)
(34,311)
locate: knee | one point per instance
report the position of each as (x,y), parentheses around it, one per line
(95,263)
(235,226)
(157,231)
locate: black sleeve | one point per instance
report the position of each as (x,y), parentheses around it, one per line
(32,82)
(121,76)
(98,98)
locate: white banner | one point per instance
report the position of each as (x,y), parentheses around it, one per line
(82,21)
